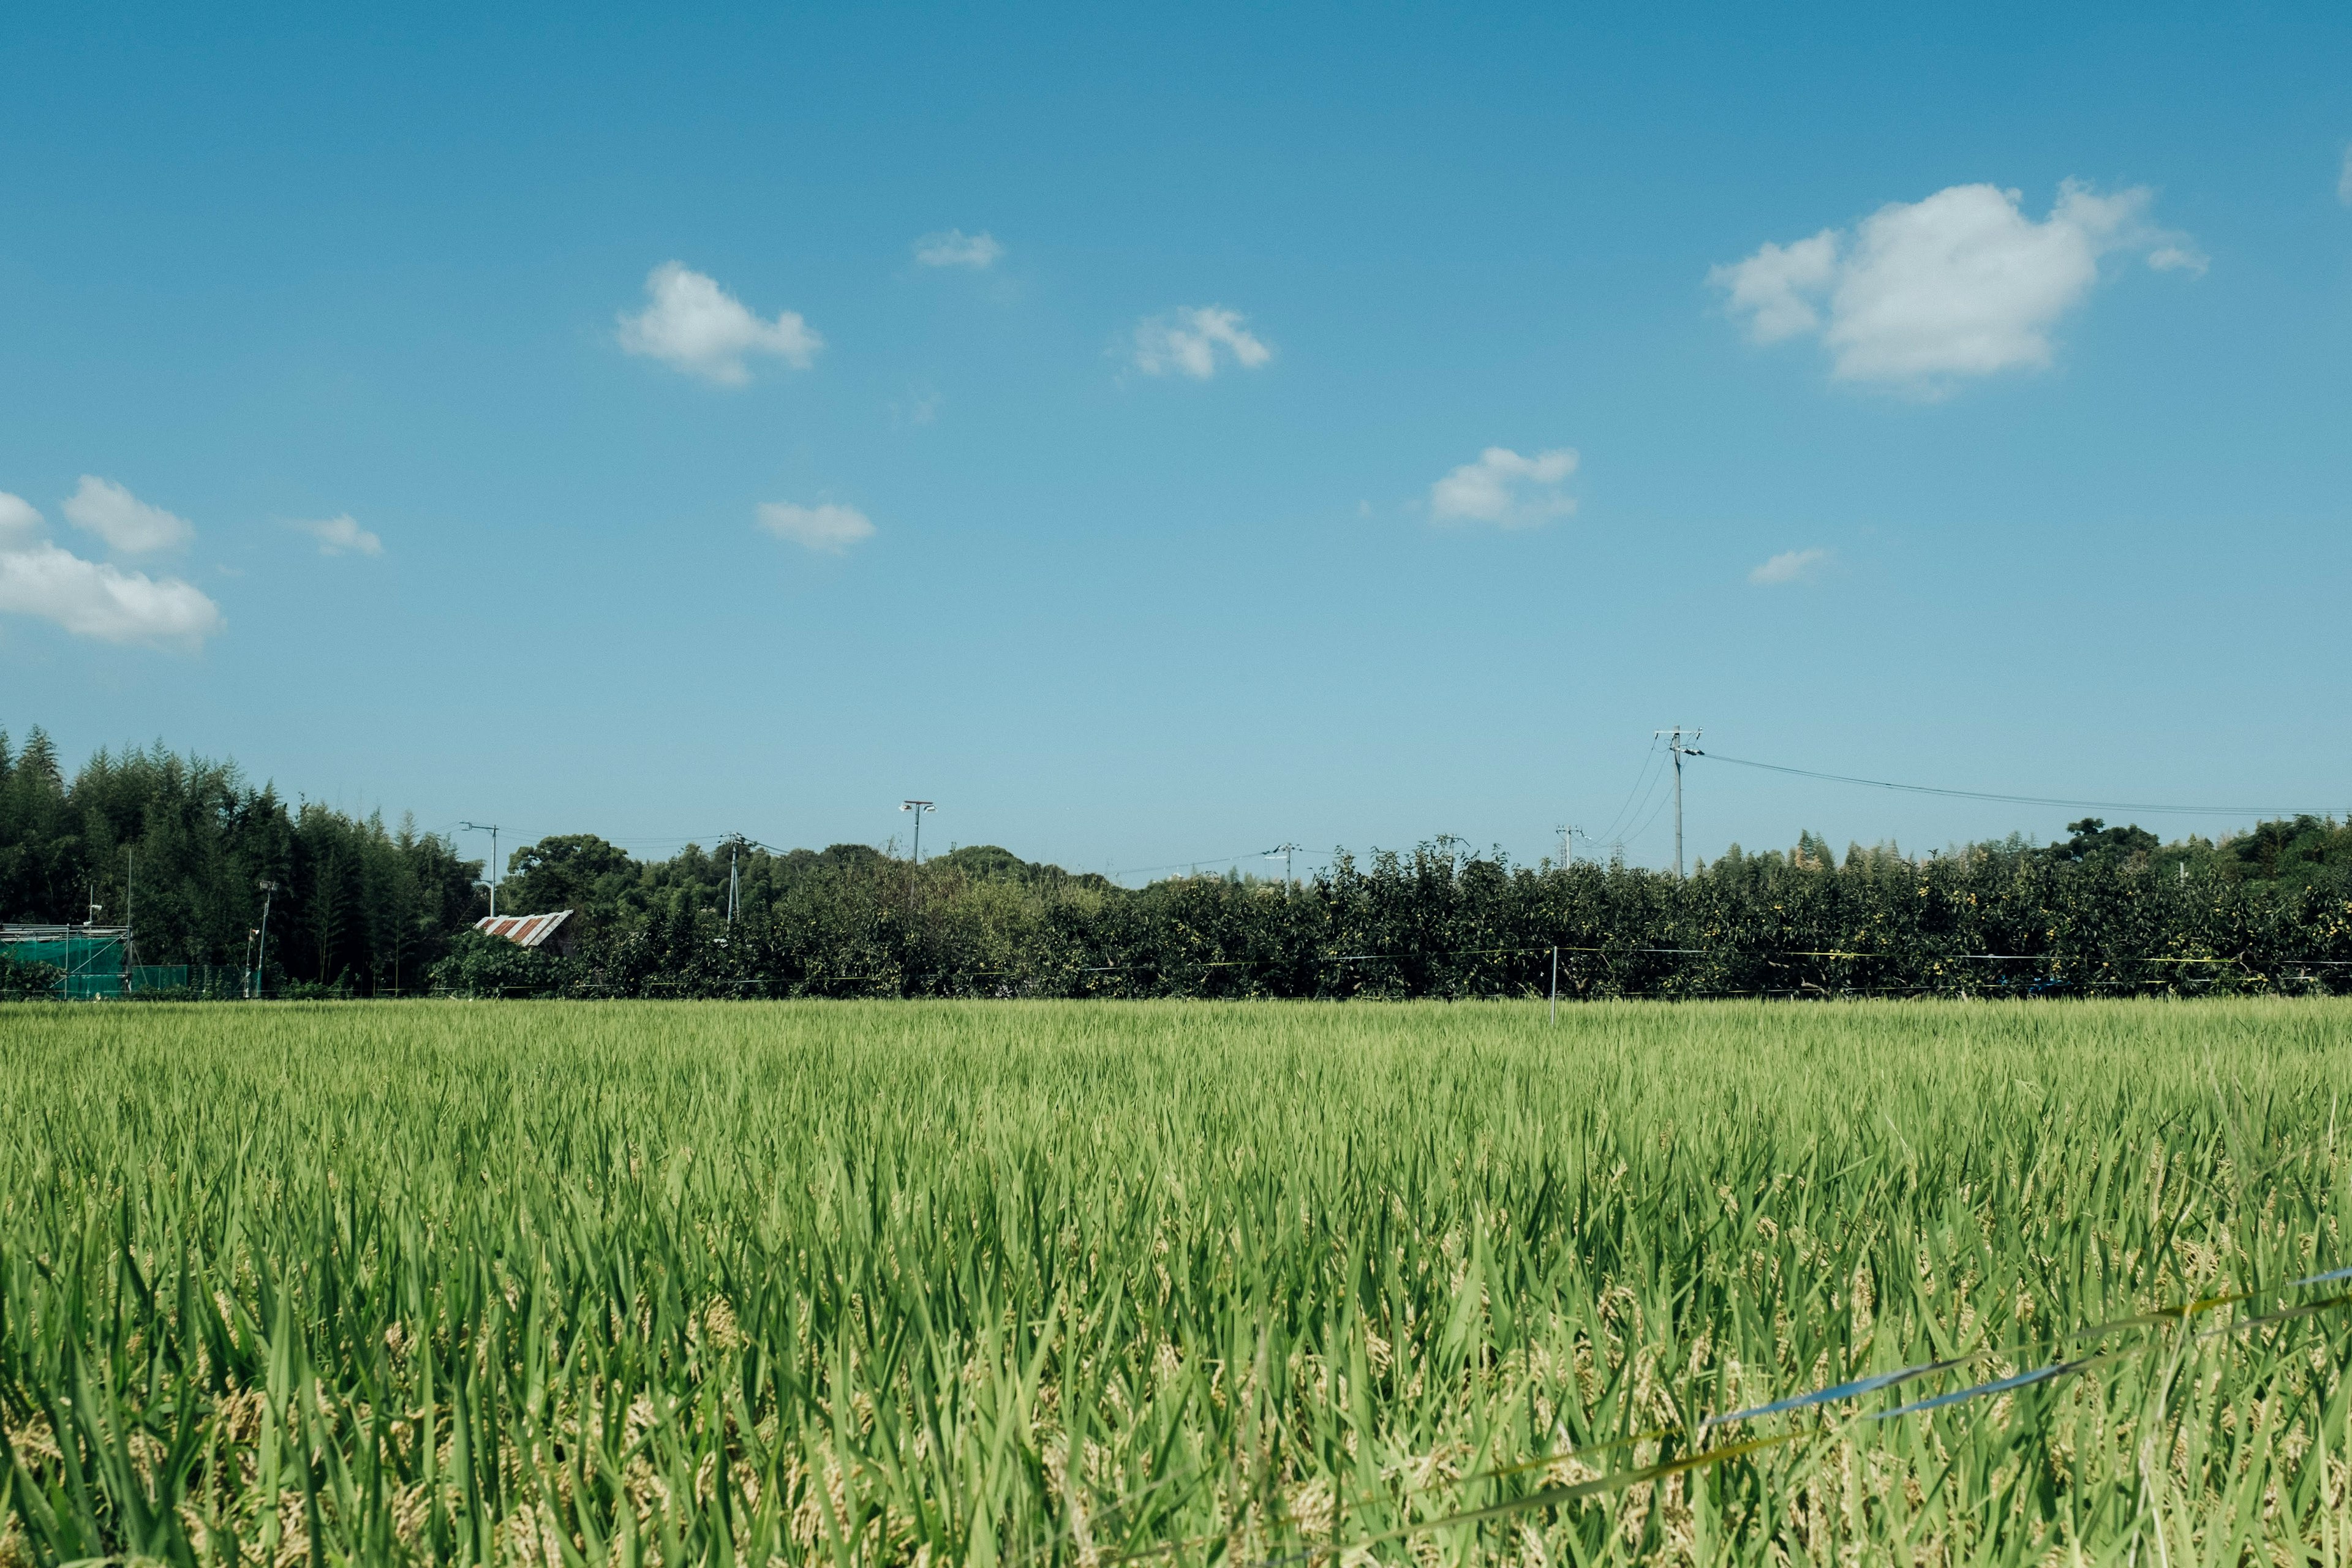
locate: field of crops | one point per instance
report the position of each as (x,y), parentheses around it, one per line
(1013,1283)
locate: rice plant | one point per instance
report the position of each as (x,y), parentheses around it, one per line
(1173,1282)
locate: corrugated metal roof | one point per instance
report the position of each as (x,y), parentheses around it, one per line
(523,931)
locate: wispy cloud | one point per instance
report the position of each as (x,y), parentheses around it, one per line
(95,599)
(1195,340)
(827,528)
(1790,566)
(1504,488)
(1959,284)
(954,248)
(128,524)
(691,324)
(342,536)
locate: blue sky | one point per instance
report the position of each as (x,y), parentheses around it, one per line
(552,418)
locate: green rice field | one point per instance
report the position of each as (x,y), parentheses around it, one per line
(1007,1283)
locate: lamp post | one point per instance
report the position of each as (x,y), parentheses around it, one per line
(261,954)
(918,807)
(492,881)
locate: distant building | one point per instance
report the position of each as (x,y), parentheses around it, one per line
(558,932)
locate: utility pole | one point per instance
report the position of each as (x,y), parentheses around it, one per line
(1567,853)
(734,855)
(491,881)
(261,956)
(1675,738)
(1285,850)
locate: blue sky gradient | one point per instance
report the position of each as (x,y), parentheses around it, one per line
(265,267)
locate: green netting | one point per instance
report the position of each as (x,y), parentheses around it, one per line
(92,964)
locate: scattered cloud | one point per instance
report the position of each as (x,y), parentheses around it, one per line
(1186,341)
(342,536)
(827,528)
(20,524)
(91,598)
(920,406)
(954,248)
(1790,566)
(1506,488)
(128,524)
(2344,179)
(690,324)
(1961,283)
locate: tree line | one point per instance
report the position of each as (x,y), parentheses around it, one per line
(360,909)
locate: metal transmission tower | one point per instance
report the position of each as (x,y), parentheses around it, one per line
(1675,738)
(492,883)
(1285,850)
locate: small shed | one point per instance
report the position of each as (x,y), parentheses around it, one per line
(557,932)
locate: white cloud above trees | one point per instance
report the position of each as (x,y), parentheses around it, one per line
(1196,340)
(954,248)
(693,325)
(96,599)
(342,536)
(1506,490)
(129,525)
(1962,283)
(1790,566)
(825,528)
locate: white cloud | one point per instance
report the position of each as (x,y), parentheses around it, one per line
(824,528)
(127,523)
(90,598)
(1187,341)
(342,536)
(1504,488)
(2344,180)
(1962,283)
(954,248)
(20,524)
(1790,566)
(690,324)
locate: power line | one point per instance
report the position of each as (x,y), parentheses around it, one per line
(2016,799)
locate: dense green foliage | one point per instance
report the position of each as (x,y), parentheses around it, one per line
(1043,1284)
(180,847)
(366,911)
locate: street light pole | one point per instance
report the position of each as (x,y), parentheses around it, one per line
(918,807)
(490,882)
(261,955)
